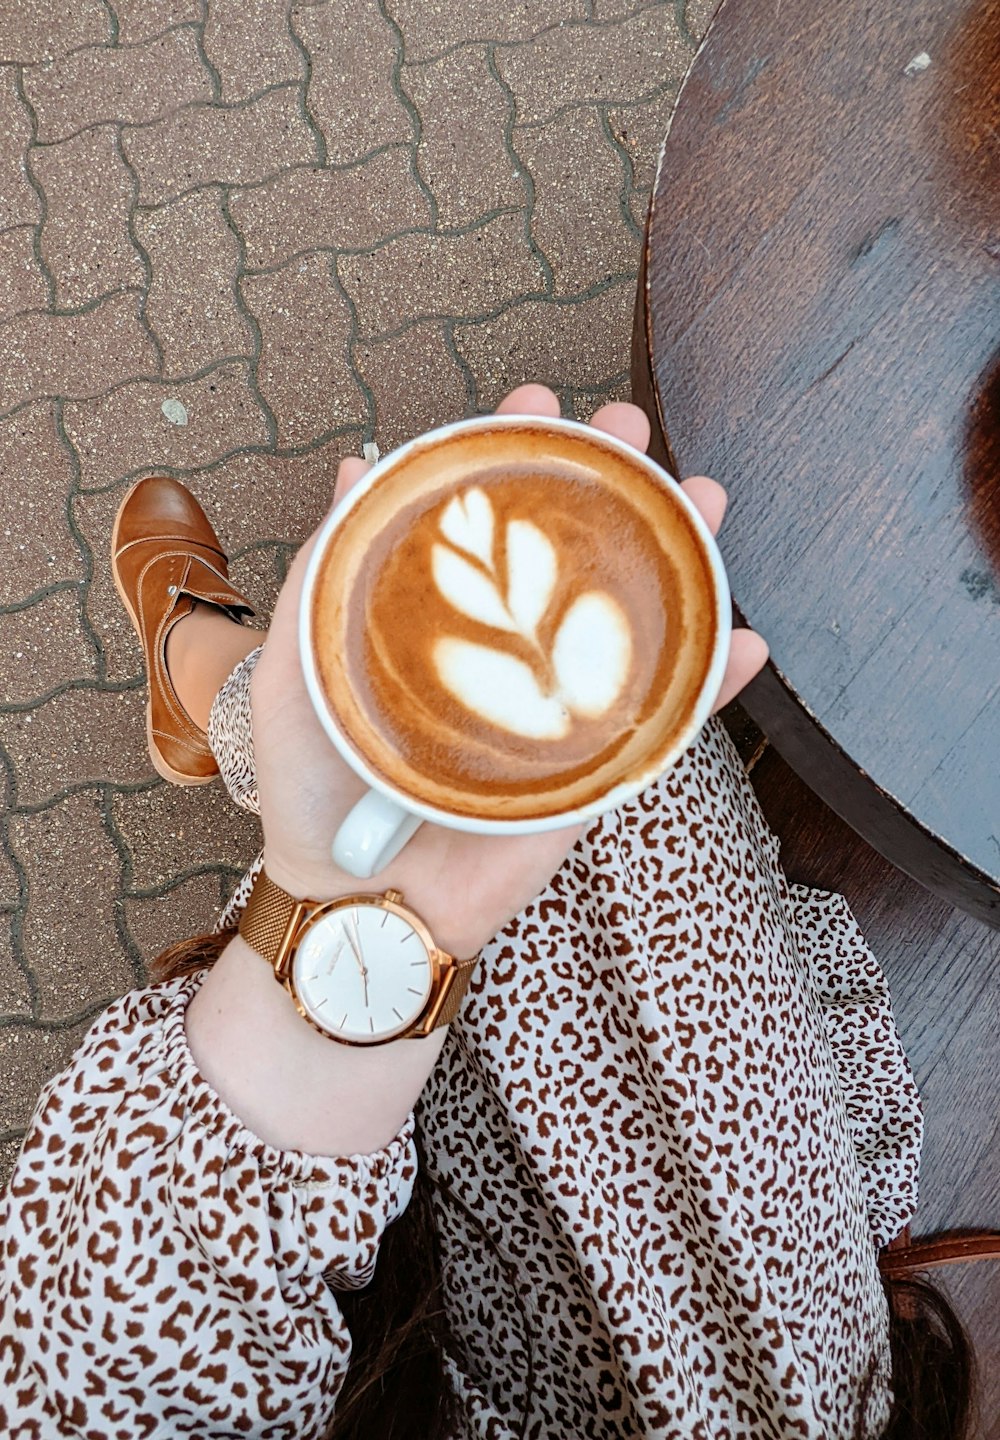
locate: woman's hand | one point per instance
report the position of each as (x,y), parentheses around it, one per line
(465,887)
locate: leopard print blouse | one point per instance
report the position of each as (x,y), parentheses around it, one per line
(667,1135)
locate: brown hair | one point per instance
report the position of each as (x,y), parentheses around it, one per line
(933,1365)
(397,1386)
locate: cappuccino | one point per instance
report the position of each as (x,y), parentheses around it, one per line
(513,622)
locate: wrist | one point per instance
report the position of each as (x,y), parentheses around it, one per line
(306,882)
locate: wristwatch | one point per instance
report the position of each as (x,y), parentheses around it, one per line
(363,969)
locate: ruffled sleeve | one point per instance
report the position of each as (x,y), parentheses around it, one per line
(877,1083)
(166,1269)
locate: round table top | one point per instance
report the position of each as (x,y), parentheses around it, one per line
(823,329)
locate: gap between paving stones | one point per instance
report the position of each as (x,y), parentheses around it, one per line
(112,43)
(144,258)
(278,452)
(171,114)
(407,103)
(344,252)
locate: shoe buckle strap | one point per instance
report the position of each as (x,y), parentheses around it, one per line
(217,591)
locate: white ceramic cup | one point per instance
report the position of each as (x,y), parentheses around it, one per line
(380,824)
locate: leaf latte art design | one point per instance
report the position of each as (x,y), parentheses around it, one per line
(590,657)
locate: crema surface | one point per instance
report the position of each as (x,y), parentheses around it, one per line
(506,630)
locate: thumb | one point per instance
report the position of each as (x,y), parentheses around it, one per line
(349,472)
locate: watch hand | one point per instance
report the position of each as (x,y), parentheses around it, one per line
(354,949)
(358,957)
(361,959)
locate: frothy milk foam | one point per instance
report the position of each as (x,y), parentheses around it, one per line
(591,650)
(508,625)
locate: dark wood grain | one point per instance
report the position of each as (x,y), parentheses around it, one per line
(820,330)
(942,969)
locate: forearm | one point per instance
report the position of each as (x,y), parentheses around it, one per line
(290,1085)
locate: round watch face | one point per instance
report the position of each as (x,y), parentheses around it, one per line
(362,973)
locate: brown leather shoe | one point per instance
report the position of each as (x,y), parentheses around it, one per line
(165,556)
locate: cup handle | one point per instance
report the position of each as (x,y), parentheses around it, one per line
(373,833)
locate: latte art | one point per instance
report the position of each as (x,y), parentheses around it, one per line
(589,663)
(509,623)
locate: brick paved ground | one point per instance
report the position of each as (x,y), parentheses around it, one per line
(311,226)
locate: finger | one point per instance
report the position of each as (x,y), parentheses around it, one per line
(625,422)
(349,472)
(709,499)
(747,657)
(530,400)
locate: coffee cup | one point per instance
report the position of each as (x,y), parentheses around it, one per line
(511,624)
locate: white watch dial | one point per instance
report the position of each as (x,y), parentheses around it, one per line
(362,973)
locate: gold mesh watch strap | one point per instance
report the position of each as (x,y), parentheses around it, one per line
(268,915)
(461,973)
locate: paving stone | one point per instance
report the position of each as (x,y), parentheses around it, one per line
(95,515)
(73,355)
(582,345)
(575,219)
(29,1057)
(254,498)
(639,204)
(613,10)
(37,30)
(697,14)
(192,302)
(81,735)
(416,381)
(126,433)
(304,372)
(462,154)
(19,202)
(15,993)
(420,276)
(605,10)
(9,1151)
(6,802)
(171,831)
(36,477)
(352,95)
(583,64)
(344,209)
(22,284)
(206,145)
(85,238)
(69,936)
(259,573)
(43,647)
(10,890)
(250,46)
(140,20)
(641,129)
(429,29)
(189,909)
(134,85)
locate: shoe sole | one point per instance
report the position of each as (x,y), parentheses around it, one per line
(165,771)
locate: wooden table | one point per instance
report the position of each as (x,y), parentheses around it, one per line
(818,326)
